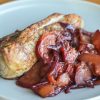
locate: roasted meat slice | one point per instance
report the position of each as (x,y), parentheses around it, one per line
(74,20)
(18,55)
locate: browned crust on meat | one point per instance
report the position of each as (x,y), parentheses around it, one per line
(18,54)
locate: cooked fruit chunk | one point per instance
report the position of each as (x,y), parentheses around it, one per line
(69,55)
(94,60)
(55,68)
(63,79)
(46,89)
(57,75)
(87,48)
(87,57)
(96,70)
(71,71)
(31,77)
(83,74)
(96,40)
(47,39)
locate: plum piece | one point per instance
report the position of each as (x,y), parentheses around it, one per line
(96,40)
(53,71)
(46,89)
(71,71)
(47,39)
(31,77)
(69,55)
(44,70)
(83,74)
(56,74)
(94,60)
(96,69)
(51,40)
(87,48)
(84,38)
(63,79)
(87,57)
(80,37)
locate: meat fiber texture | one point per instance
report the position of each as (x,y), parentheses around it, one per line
(17,51)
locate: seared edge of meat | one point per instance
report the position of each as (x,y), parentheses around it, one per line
(18,55)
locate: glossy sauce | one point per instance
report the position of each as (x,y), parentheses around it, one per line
(63,64)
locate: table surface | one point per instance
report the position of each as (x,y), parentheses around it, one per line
(94,1)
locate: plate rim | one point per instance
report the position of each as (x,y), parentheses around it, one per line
(13,3)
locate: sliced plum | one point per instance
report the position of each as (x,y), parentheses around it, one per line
(83,74)
(96,40)
(31,77)
(47,39)
(69,55)
(92,59)
(87,57)
(46,89)
(55,68)
(63,79)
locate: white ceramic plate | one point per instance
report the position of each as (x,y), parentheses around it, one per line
(19,14)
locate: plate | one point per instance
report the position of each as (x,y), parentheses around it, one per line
(20,14)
